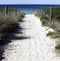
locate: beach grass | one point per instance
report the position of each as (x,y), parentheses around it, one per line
(8,24)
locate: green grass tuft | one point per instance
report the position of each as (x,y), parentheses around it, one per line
(44,22)
(53,35)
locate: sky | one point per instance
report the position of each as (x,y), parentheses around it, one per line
(56,2)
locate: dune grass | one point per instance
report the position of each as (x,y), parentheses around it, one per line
(57,45)
(54,24)
(53,35)
(8,24)
(56,34)
(44,21)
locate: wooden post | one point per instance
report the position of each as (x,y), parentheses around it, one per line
(41,12)
(6,10)
(16,11)
(50,14)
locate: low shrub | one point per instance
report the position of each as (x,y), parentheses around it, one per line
(44,21)
(8,24)
(57,47)
(53,34)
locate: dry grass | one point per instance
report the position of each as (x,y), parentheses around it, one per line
(8,23)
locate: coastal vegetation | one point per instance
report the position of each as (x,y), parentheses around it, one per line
(9,22)
(44,15)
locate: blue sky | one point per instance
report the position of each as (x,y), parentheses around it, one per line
(30,2)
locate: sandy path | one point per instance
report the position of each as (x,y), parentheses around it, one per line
(36,48)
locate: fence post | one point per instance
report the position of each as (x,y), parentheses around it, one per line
(6,10)
(16,11)
(50,14)
(41,12)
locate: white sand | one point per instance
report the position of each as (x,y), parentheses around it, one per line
(37,48)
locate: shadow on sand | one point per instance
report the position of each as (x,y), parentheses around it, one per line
(12,36)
